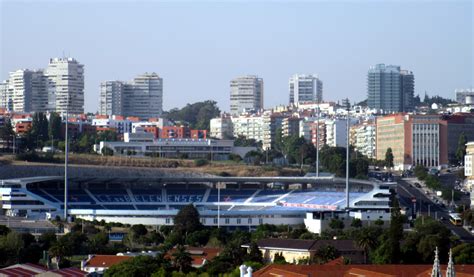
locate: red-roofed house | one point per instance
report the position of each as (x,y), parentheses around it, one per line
(99,263)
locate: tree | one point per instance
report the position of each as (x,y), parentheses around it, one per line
(198,115)
(279,259)
(336,224)
(356,223)
(389,157)
(106,151)
(367,242)
(182,259)
(420,172)
(54,126)
(255,255)
(7,133)
(12,244)
(464,253)
(461,150)
(141,266)
(187,220)
(325,254)
(38,134)
(395,233)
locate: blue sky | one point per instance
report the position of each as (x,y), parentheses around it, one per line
(197,47)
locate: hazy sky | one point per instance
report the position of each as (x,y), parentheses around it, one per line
(198,47)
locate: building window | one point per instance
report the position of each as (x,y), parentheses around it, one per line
(227,221)
(250,221)
(215,220)
(239,221)
(260,221)
(168,220)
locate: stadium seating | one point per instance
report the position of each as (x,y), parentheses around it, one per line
(110,195)
(266,196)
(41,193)
(185,195)
(150,207)
(231,195)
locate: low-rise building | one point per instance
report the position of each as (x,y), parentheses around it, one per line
(221,127)
(363,138)
(174,148)
(98,264)
(295,250)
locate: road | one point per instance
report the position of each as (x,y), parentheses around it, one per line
(406,192)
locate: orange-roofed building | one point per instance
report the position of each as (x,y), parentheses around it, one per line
(199,134)
(358,270)
(99,263)
(133,118)
(22,127)
(175,132)
(200,255)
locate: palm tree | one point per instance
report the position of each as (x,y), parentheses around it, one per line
(366,241)
(182,258)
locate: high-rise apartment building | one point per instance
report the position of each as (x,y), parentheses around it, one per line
(65,85)
(45,90)
(305,88)
(390,89)
(246,94)
(20,84)
(143,97)
(111,98)
(6,98)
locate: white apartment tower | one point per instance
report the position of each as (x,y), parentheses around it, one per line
(65,85)
(6,96)
(24,91)
(45,90)
(111,98)
(305,88)
(246,94)
(143,97)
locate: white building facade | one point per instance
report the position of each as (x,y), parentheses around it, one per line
(305,88)
(142,97)
(111,98)
(65,86)
(221,127)
(246,94)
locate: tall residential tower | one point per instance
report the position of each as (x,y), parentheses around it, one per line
(143,97)
(65,85)
(305,88)
(246,94)
(390,89)
(45,90)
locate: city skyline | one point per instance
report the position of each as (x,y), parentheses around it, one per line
(434,38)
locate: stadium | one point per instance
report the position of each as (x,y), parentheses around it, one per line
(232,202)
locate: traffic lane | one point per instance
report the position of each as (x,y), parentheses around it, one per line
(408,191)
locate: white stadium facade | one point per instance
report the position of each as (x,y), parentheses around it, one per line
(231,202)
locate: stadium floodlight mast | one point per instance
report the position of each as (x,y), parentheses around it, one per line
(347,158)
(66,155)
(317,139)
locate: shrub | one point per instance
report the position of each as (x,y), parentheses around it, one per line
(201,162)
